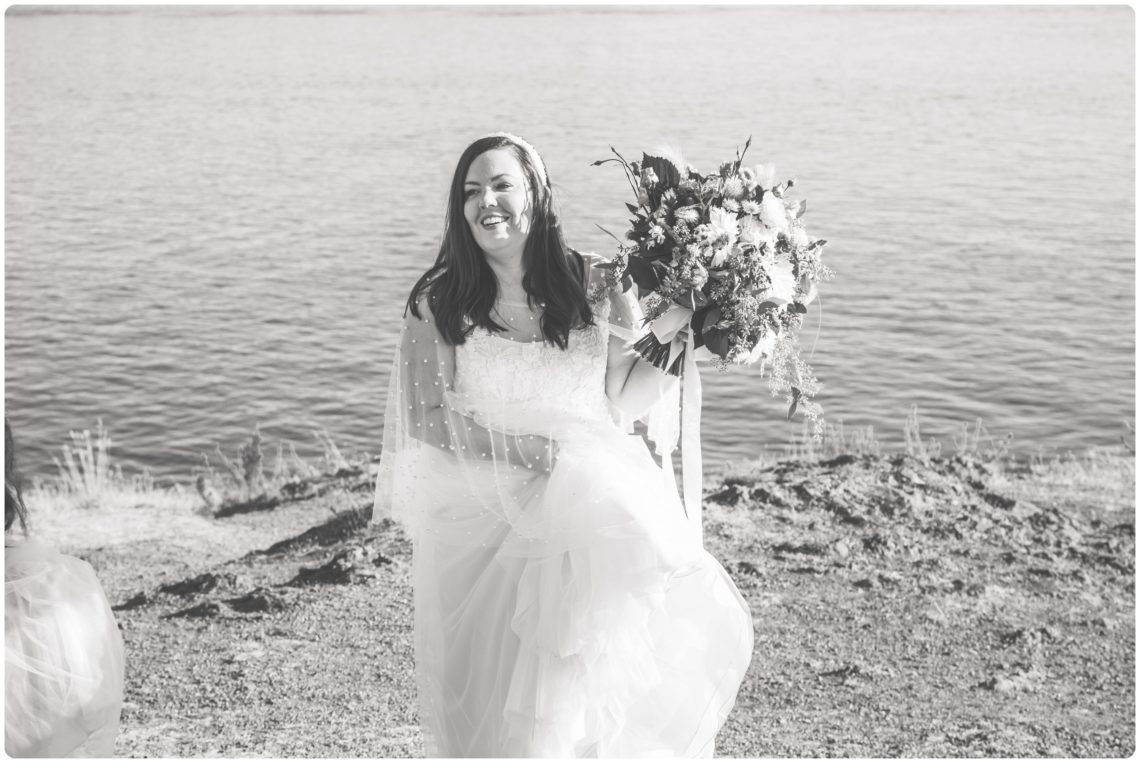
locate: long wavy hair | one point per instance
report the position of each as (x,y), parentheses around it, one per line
(14,508)
(461,285)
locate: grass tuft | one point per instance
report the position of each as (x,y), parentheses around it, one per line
(243,481)
(87,480)
(334,461)
(912,434)
(980,444)
(835,440)
(87,474)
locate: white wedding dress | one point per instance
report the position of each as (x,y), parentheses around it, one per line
(564,614)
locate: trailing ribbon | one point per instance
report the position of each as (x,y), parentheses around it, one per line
(664,434)
(667,328)
(691,467)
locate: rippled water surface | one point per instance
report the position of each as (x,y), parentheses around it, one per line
(213,216)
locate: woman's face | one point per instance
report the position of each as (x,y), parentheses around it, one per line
(497,203)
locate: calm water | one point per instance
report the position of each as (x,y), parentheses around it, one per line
(213,215)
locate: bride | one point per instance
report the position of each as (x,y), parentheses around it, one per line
(564,606)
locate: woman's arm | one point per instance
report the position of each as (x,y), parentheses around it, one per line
(449,430)
(427,372)
(633,385)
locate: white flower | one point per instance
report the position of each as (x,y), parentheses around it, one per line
(719,256)
(763,348)
(773,214)
(783,287)
(800,238)
(723,223)
(689,215)
(751,232)
(733,188)
(766,176)
(769,240)
(756,235)
(750,207)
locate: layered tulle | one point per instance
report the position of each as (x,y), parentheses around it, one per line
(633,639)
(613,635)
(63,657)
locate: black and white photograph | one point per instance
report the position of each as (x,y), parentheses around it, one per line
(570,381)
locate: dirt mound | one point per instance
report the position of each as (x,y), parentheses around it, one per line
(199,584)
(929,512)
(341,527)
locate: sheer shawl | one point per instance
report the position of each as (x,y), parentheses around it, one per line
(495,451)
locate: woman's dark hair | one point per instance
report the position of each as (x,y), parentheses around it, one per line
(13,499)
(462,285)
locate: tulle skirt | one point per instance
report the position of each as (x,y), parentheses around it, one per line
(577,617)
(63,657)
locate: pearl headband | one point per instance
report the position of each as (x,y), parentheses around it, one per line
(531,152)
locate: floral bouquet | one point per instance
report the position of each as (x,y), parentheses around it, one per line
(724,267)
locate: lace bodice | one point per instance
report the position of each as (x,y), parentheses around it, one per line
(494,373)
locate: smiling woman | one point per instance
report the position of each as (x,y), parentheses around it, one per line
(520,259)
(564,606)
(497,205)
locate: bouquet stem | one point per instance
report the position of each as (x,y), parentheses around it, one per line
(656,353)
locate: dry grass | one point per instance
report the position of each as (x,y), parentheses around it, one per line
(92,503)
(836,439)
(88,480)
(246,478)
(1102,479)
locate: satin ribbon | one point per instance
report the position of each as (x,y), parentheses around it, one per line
(691,466)
(666,328)
(690,436)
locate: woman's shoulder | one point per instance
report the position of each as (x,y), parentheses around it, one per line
(420,297)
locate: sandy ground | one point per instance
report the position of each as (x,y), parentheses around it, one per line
(901,608)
